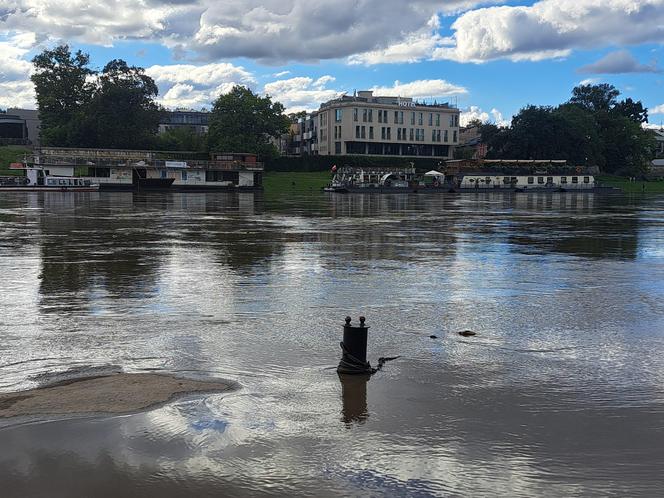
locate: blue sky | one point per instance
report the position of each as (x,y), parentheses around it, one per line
(489,57)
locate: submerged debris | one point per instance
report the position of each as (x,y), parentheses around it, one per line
(433,337)
(467,333)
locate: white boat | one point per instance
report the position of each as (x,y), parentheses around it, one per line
(38,179)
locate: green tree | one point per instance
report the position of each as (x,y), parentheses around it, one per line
(632,110)
(123,112)
(63,89)
(182,138)
(242,121)
(595,98)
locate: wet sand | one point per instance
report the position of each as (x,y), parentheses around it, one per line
(119,393)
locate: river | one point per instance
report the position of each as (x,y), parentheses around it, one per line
(560,393)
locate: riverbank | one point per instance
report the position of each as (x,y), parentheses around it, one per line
(655,186)
(11,154)
(295,181)
(118,393)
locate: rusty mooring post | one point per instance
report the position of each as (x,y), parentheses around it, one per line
(354,349)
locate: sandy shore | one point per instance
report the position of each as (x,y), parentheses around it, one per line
(119,393)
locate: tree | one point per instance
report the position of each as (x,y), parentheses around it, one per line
(123,111)
(595,98)
(63,88)
(632,110)
(182,138)
(242,121)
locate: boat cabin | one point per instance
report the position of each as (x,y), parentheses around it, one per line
(527,182)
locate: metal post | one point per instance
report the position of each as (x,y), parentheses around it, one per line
(354,348)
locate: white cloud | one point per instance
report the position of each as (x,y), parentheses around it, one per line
(421,89)
(193,87)
(413,48)
(16,89)
(474,113)
(589,81)
(657,109)
(552,28)
(301,93)
(281,74)
(618,62)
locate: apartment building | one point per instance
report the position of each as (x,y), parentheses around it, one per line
(365,124)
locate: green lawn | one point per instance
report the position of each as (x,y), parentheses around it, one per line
(655,186)
(295,181)
(11,154)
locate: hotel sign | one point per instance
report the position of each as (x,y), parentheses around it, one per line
(406,104)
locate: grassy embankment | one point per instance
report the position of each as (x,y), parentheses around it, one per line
(296,181)
(11,154)
(655,186)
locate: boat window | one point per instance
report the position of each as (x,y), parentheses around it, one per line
(549,179)
(51,182)
(563,179)
(540,179)
(515,180)
(184,175)
(531,180)
(163,173)
(575,179)
(586,179)
(487,179)
(61,182)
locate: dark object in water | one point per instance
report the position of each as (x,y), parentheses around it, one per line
(354,348)
(467,333)
(433,337)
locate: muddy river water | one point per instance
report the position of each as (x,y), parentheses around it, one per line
(560,393)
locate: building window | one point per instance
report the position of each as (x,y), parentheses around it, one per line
(183,174)
(364,132)
(355,114)
(338,115)
(337,147)
(437,135)
(384,116)
(446,136)
(433,135)
(430,119)
(403,133)
(411,130)
(398,133)
(357,131)
(382,132)
(370,115)
(420,118)
(412,118)
(370,132)
(438,119)
(380,116)
(454,136)
(452,120)
(389,133)
(364,115)
(456,120)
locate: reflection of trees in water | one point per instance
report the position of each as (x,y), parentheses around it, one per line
(92,250)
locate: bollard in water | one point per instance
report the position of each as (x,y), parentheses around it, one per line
(354,349)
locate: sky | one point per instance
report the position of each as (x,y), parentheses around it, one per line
(490,58)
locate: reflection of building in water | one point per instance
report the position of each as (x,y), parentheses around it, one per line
(354,398)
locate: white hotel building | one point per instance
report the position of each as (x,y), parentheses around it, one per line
(385,126)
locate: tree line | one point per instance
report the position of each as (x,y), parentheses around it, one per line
(593,128)
(117,108)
